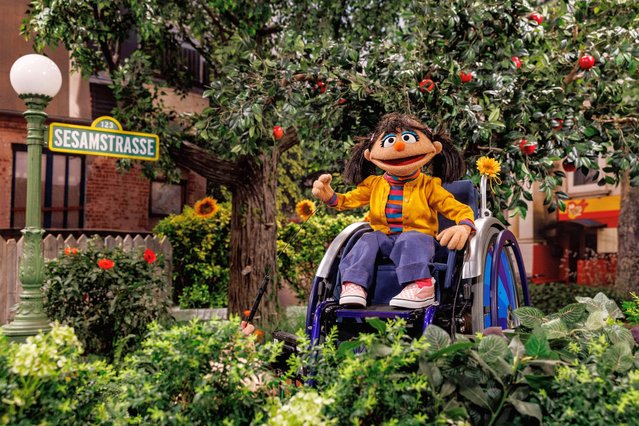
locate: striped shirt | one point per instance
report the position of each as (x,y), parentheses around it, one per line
(395,201)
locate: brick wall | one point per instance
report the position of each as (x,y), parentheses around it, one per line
(195,187)
(115,199)
(12,130)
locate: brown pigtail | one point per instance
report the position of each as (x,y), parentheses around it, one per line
(448,165)
(358,167)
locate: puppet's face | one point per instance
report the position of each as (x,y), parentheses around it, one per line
(403,152)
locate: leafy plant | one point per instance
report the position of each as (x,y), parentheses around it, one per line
(197,373)
(108,296)
(200,257)
(44,380)
(551,297)
(631,309)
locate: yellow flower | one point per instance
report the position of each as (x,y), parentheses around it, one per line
(367,217)
(305,209)
(488,166)
(207,207)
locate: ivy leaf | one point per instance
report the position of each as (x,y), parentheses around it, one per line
(529,317)
(492,348)
(437,338)
(526,408)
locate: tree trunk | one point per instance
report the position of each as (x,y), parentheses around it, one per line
(254,240)
(628,234)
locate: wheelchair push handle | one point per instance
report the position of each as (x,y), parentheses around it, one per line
(483,189)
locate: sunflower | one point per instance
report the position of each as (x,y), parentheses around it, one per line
(305,209)
(207,207)
(488,167)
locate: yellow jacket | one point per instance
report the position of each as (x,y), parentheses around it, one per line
(423,198)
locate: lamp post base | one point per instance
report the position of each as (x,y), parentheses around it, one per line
(19,329)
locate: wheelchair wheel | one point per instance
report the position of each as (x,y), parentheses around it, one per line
(501,286)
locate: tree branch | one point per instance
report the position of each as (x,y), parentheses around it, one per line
(206,164)
(104,47)
(288,141)
(620,120)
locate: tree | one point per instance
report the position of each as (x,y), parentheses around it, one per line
(326,71)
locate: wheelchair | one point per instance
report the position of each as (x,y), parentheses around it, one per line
(477,287)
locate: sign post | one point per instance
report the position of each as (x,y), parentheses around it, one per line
(104,137)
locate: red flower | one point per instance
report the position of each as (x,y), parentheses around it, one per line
(70,250)
(465,77)
(106,264)
(149,256)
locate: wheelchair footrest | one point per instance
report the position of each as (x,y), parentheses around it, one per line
(378,311)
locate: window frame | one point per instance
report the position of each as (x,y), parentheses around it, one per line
(47,210)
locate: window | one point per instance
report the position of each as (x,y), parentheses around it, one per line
(62,189)
(580,184)
(166,199)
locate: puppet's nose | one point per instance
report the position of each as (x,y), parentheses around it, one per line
(399,146)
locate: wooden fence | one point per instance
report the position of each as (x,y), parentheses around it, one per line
(53,246)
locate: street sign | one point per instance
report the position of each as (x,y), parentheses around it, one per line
(104,137)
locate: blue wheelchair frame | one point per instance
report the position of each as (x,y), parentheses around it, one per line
(482,274)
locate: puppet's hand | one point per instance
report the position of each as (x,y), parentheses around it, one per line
(322,188)
(247,328)
(455,237)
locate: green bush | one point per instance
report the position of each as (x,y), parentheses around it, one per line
(303,246)
(200,257)
(556,367)
(553,296)
(109,307)
(44,381)
(200,373)
(631,309)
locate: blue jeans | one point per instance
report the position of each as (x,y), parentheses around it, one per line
(411,252)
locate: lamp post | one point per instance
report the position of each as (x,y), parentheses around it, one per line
(37,80)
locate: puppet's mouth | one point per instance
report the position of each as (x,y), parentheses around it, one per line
(404,161)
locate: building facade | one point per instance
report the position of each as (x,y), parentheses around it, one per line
(80,192)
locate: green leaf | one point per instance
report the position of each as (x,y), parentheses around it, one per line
(618,358)
(437,338)
(516,347)
(555,329)
(538,381)
(618,334)
(572,313)
(455,347)
(377,324)
(529,317)
(492,348)
(537,345)
(347,348)
(477,396)
(527,408)
(596,320)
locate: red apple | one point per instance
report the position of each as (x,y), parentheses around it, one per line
(516,61)
(426,85)
(557,124)
(321,86)
(586,62)
(341,101)
(278,132)
(527,147)
(536,17)
(568,166)
(465,77)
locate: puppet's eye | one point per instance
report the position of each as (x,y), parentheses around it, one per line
(389,140)
(410,137)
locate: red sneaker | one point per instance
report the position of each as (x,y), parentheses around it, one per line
(352,294)
(418,294)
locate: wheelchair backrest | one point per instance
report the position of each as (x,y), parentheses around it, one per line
(464,191)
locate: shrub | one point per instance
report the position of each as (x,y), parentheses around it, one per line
(198,373)
(576,366)
(200,256)
(43,381)
(552,297)
(108,296)
(302,248)
(631,309)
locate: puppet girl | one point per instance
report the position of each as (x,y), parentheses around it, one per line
(404,204)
